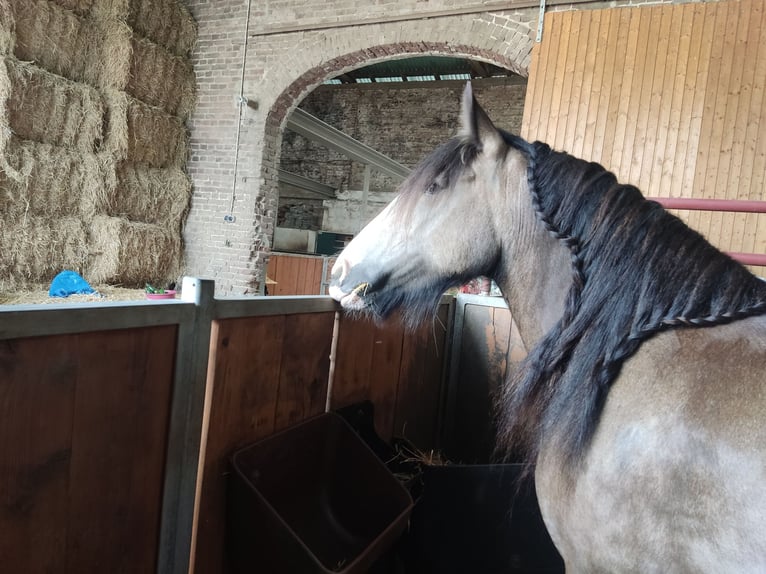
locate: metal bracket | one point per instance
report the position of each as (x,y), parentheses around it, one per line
(540,20)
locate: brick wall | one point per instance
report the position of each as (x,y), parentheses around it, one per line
(292,47)
(403,121)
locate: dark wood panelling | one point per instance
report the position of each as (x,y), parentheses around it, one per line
(490,346)
(400,371)
(83,422)
(265,373)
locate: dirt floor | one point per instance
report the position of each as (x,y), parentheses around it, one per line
(38,295)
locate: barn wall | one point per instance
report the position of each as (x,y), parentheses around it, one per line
(403,121)
(670,98)
(288,49)
(235,150)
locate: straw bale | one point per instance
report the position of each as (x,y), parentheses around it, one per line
(165,22)
(109,55)
(150,195)
(50,109)
(140,133)
(119,9)
(97,52)
(54,181)
(162,79)
(47,108)
(81,7)
(5,130)
(35,249)
(54,38)
(132,254)
(7,28)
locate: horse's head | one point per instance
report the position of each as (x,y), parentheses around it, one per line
(440,231)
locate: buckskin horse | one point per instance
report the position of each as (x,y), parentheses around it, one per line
(642,403)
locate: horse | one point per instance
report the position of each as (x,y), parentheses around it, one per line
(641,405)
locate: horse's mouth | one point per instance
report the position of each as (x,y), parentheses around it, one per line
(354,299)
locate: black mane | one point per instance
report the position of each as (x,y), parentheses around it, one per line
(636,270)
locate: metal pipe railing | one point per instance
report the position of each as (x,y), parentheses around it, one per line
(694,204)
(727,205)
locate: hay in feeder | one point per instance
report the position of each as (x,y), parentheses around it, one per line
(96,52)
(7,28)
(35,249)
(140,133)
(54,181)
(162,79)
(132,254)
(150,195)
(47,108)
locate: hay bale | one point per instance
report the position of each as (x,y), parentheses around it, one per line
(140,133)
(80,7)
(5,130)
(47,108)
(96,52)
(54,38)
(54,181)
(150,195)
(165,22)
(132,254)
(162,79)
(7,28)
(35,249)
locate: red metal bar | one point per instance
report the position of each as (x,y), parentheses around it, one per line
(749,258)
(693,204)
(731,205)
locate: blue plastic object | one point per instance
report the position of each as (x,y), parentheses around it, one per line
(69,283)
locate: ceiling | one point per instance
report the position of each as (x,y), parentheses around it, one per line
(419,69)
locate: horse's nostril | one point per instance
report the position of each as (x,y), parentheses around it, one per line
(340,270)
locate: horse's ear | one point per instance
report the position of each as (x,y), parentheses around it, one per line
(476,126)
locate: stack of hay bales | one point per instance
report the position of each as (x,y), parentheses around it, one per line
(94,96)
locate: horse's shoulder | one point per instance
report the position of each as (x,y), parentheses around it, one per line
(722,345)
(711,377)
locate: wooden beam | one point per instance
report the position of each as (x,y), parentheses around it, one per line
(313,128)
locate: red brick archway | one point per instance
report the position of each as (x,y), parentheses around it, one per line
(291,97)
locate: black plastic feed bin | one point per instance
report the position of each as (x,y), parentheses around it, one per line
(475,519)
(312,499)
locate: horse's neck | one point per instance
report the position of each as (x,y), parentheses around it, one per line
(534,273)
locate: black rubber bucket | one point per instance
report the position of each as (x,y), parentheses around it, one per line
(475,519)
(312,499)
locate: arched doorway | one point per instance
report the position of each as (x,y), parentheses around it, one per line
(401,107)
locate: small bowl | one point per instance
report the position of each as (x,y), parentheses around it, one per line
(168,294)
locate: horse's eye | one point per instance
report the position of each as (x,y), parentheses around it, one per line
(433,188)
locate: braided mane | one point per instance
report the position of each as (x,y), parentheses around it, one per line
(637,270)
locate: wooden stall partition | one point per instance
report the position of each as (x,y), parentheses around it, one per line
(83,418)
(296,274)
(486,348)
(265,373)
(670,98)
(401,371)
